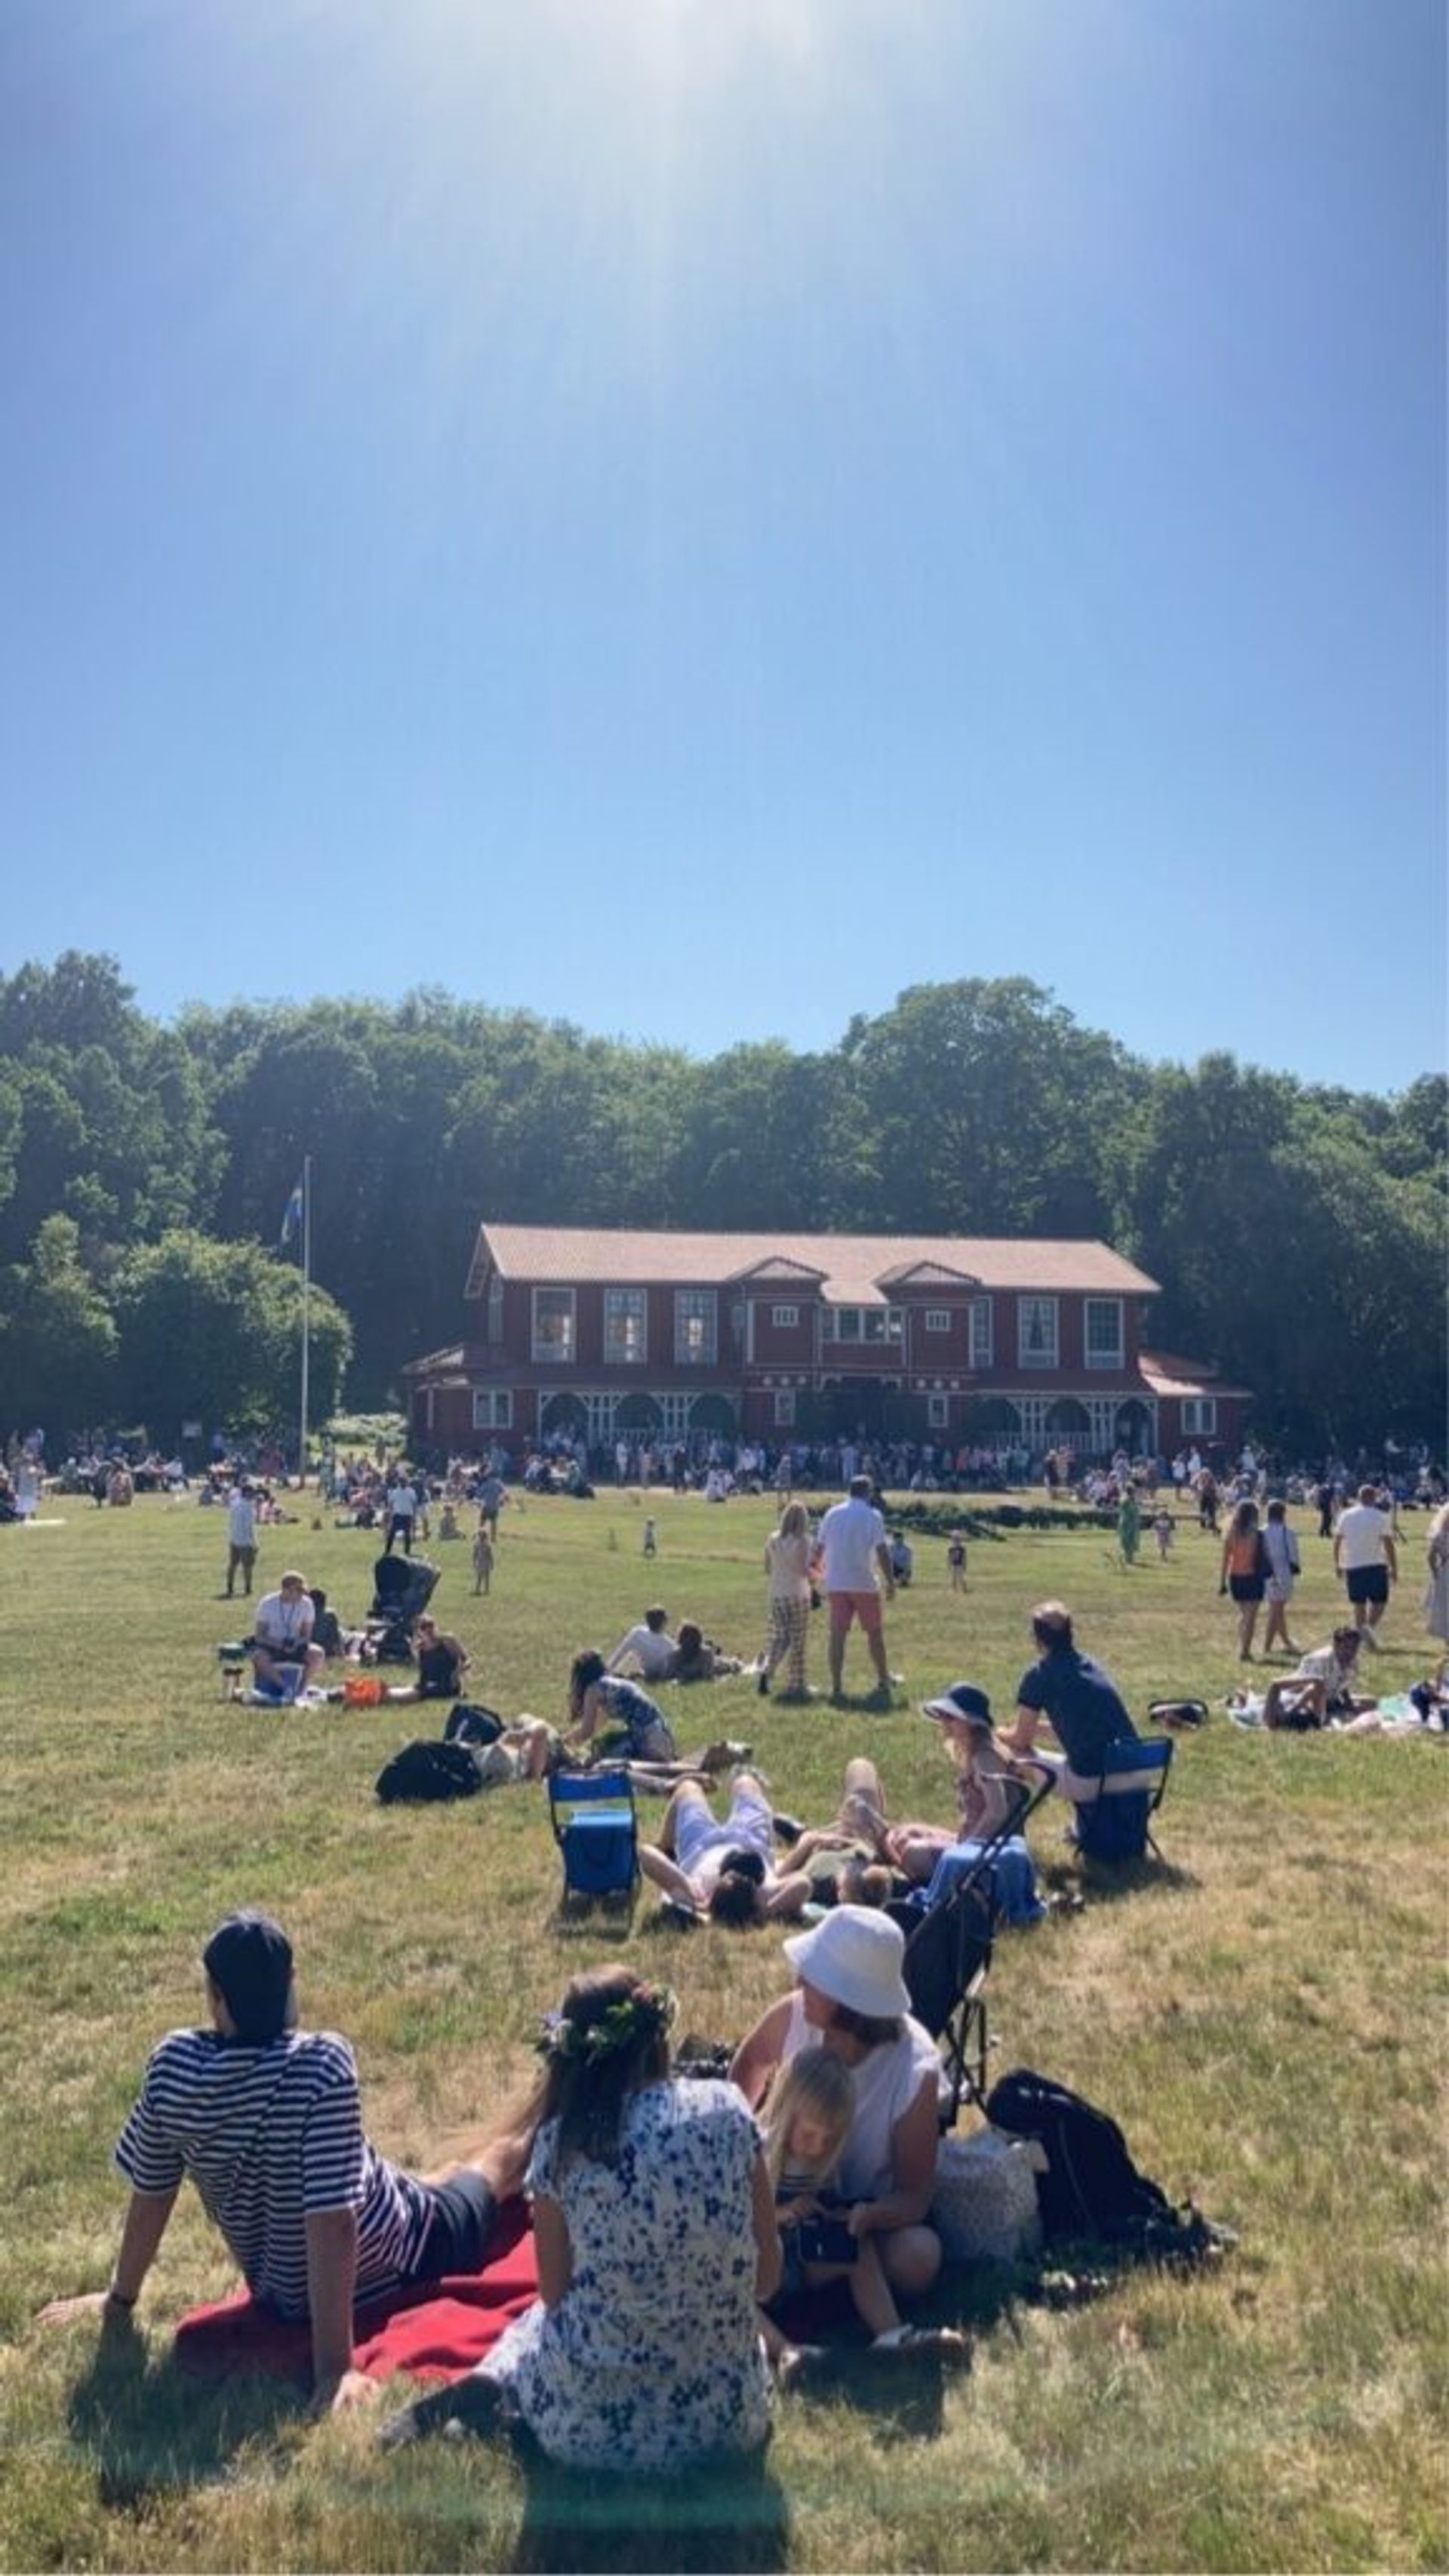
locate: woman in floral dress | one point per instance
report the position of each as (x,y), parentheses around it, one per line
(655,2229)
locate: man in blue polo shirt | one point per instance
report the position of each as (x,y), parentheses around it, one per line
(1081,1701)
(267,2121)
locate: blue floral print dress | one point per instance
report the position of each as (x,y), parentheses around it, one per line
(652,2358)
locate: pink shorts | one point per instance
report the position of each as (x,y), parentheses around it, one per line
(848,1606)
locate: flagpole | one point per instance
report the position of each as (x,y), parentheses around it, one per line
(306,1316)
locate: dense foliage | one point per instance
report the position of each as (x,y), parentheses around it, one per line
(1299,1232)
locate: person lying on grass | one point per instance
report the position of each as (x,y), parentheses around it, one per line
(726,1872)
(267,2121)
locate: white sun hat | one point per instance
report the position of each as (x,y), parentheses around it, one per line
(854,1956)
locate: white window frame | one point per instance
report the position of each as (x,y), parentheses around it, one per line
(981,1333)
(938,1413)
(1048,1309)
(938,1319)
(696,1306)
(493,1408)
(495,1308)
(626,1306)
(1101,1359)
(784,1408)
(785,1318)
(541,1346)
(1199,1414)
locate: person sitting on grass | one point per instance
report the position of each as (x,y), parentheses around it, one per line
(654,2224)
(851,1998)
(267,2121)
(442,1661)
(696,1658)
(648,1649)
(1321,1692)
(727,1871)
(992,1787)
(807,2119)
(612,1720)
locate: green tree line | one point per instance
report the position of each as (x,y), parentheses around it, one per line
(1298,1231)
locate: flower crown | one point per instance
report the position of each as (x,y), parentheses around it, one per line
(645,2014)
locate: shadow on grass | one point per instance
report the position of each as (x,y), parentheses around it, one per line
(727,2515)
(1107,1882)
(152,2426)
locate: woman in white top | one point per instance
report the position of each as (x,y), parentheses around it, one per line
(851,1999)
(787,1563)
(1280,1546)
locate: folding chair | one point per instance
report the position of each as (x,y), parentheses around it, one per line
(948,1958)
(1116,1824)
(596,1826)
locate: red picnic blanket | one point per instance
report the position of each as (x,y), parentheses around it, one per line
(438,2329)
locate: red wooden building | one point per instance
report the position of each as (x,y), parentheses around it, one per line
(605,1334)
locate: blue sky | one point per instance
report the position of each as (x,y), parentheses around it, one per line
(694,515)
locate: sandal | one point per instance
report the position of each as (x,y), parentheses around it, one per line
(925,2343)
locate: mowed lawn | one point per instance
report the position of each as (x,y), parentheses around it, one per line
(1265,2015)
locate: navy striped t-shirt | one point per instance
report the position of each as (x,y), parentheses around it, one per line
(269,2134)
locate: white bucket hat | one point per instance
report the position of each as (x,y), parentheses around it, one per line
(854,1956)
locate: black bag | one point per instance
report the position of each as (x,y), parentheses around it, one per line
(471,1723)
(1091,2187)
(428,1769)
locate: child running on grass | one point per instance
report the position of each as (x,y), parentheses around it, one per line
(807,2122)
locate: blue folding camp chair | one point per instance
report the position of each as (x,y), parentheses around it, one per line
(1116,1825)
(596,1826)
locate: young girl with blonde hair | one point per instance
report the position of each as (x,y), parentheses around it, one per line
(807,2122)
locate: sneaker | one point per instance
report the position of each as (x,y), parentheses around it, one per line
(787,1829)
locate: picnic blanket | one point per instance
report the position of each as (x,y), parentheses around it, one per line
(436,2329)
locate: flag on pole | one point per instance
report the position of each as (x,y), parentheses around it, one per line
(291,1218)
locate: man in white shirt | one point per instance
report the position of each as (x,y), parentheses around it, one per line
(241,1535)
(850,1554)
(649,1648)
(1365,1555)
(282,1632)
(1322,1688)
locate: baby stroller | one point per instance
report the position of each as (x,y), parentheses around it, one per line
(402,1587)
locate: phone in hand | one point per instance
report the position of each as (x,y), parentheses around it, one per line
(825,2240)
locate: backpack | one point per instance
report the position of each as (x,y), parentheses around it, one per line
(428,1769)
(1091,2187)
(470,1723)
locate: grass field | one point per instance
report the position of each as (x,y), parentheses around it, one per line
(1265,2015)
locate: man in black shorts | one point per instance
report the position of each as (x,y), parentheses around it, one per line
(267,2121)
(1365,1555)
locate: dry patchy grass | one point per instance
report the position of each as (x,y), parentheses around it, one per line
(1265,2015)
